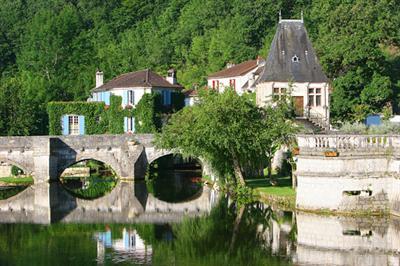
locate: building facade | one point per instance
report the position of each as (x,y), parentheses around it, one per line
(130,87)
(241,77)
(292,68)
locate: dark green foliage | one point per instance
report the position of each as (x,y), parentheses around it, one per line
(115,116)
(178,101)
(96,120)
(16,171)
(148,113)
(53,48)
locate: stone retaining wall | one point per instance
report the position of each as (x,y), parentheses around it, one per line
(361,173)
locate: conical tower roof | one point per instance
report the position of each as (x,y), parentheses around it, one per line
(291,56)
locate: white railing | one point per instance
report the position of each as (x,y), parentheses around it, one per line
(348,142)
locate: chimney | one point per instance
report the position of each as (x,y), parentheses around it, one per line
(171,76)
(230,64)
(99,78)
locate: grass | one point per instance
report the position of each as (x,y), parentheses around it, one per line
(281,195)
(17,180)
(283,188)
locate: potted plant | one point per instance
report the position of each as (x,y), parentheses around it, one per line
(331,153)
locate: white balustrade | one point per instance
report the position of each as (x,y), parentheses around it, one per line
(348,142)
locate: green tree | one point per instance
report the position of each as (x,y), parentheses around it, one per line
(228,130)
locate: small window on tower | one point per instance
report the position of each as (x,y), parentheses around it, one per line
(295,59)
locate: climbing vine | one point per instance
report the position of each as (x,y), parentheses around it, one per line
(150,114)
(95,119)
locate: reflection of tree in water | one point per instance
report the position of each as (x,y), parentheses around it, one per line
(10,191)
(89,179)
(174,179)
(228,236)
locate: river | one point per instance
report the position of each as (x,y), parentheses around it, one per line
(173,220)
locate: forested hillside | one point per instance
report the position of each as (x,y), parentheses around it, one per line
(50,49)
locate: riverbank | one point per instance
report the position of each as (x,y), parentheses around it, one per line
(6,181)
(281,196)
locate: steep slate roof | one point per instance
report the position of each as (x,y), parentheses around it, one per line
(291,40)
(143,78)
(237,70)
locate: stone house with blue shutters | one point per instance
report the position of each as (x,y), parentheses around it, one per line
(130,87)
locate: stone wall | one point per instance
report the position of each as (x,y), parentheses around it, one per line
(361,173)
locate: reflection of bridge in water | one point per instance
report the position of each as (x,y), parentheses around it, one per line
(127,202)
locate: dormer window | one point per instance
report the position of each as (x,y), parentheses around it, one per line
(295,59)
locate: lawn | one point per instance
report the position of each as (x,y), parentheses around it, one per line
(263,186)
(17,180)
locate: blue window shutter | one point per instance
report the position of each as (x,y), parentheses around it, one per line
(81,121)
(133,97)
(133,125)
(169,97)
(125,97)
(100,96)
(65,125)
(107,96)
(164,94)
(125,124)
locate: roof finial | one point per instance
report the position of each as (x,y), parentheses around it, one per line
(280,16)
(302,16)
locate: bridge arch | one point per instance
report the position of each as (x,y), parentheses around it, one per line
(113,163)
(20,164)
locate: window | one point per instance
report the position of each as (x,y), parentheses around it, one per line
(278,94)
(314,97)
(295,59)
(73,125)
(215,84)
(129,124)
(166,94)
(232,83)
(131,97)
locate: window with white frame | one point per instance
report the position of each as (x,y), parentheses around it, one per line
(131,97)
(130,124)
(278,94)
(314,97)
(73,125)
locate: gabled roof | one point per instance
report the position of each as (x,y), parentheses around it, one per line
(143,78)
(290,42)
(237,70)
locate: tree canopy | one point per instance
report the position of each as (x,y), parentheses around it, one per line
(52,48)
(228,131)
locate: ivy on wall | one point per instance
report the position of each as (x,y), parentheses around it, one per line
(150,114)
(95,119)
(115,115)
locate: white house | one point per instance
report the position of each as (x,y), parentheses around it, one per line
(241,77)
(131,87)
(292,68)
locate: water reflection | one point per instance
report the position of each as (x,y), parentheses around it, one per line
(129,248)
(228,235)
(89,179)
(173,179)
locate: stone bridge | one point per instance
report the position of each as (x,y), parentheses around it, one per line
(46,157)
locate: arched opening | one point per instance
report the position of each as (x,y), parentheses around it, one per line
(174,179)
(89,179)
(13,179)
